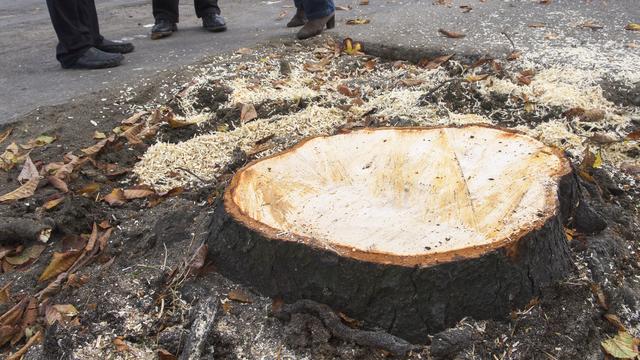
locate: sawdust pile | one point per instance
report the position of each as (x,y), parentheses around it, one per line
(346,93)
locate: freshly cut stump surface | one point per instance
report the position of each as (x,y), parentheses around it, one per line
(409,229)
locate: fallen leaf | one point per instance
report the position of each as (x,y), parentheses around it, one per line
(466,8)
(634,135)
(370,65)
(451,34)
(41,140)
(620,346)
(592,115)
(412,82)
(60,262)
(247,113)
(591,25)
(37,337)
(92,238)
(176,123)
(98,135)
(50,204)
(239,296)
(597,163)
(29,171)
(358,21)
(5,294)
(435,62)
(67,310)
(536,25)
(77,281)
(632,27)
(120,345)
(364,2)
(615,321)
(165,355)
(89,189)
(134,118)
(199,258)
(104,239)
(104,224)
(599,294)
(475,78)
(115,198)
(28,254)
(94,149)
(514,55)
(131,194)
(5,134)
(58,183)
(344,90)
(351,47)
(131,134)
(23,192)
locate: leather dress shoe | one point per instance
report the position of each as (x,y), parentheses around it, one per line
(115,46)
(163,28)
(213,22)
(298,19)
(96,59)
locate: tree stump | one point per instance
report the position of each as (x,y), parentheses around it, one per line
(408,229)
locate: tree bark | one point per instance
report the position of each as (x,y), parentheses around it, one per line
(405,298)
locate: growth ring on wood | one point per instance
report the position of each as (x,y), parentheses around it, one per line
(409,229)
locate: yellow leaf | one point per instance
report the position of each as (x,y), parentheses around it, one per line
(66,309)
(98,135)
(597,163)
(476,78)
(89,189)
(60,262)
(115,198)
(632,27)
(53,203)
(620,346)
(358,21)
(24,191)
(43,140)
(352,47)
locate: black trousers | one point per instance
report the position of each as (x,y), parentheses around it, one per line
(168,9)
(76,24)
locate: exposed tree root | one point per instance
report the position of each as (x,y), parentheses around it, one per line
(200,329)
(374,339)
(20,230)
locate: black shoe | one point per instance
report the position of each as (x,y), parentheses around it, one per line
(115,46)
(163,28)
(96,59)
(213,22)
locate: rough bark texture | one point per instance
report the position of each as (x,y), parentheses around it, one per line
(23,230)
(409,302)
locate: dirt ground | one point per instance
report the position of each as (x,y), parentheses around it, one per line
(135,298)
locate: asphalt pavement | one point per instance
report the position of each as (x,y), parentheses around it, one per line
(31,77)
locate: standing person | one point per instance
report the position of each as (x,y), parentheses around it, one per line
(313,16)
(165,13)
(80,45)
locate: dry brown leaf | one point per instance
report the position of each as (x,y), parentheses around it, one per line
(7,332)
(28,254)
(60,262)
(29,171)
(466,8)
(5,134)
(176,123)
(434,63)
(358,21)
(634,135)
(475,78)
(615,321)
(115,198)
(92,238)
(77,281)
(58,183)
(131,194)
(5,293)
(247,113)
(591,25)
(451,34)
(50,204)
(364,2)
(514,55)
(240,296)
(131,134)
(104,239)
(199,258)
(592,115)
(537,25)
(89,189)
(165,355)
(94,149)
(599,294)
(120,345)
(344,90)
(134,118)
(37,337)
(104,224)
(23,192)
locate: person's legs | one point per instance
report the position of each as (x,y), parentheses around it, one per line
(89,19)
(298,18)
(74,37)
(204,7)
(316,9)
(165,10)
(299,4)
